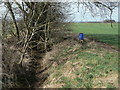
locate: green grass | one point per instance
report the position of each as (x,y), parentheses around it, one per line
(91,66)
(95,64)
(94,28)
(67,82)
(105,38)
(102,32)
(110,86)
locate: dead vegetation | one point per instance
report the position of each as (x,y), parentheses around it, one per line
(68,67)
(26,61)
(25,45)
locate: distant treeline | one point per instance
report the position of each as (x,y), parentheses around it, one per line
(105,21)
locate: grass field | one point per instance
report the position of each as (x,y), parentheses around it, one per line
(99,31)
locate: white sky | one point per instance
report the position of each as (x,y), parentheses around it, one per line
(85,15)
(80,16)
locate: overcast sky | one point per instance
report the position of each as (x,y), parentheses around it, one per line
(84,15)
(79,17)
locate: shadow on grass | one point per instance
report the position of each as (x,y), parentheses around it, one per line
(110,39)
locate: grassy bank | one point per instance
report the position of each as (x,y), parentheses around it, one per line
(91,67)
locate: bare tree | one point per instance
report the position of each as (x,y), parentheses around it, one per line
(103,8)
(34,33)
(33,30)
(13,17)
